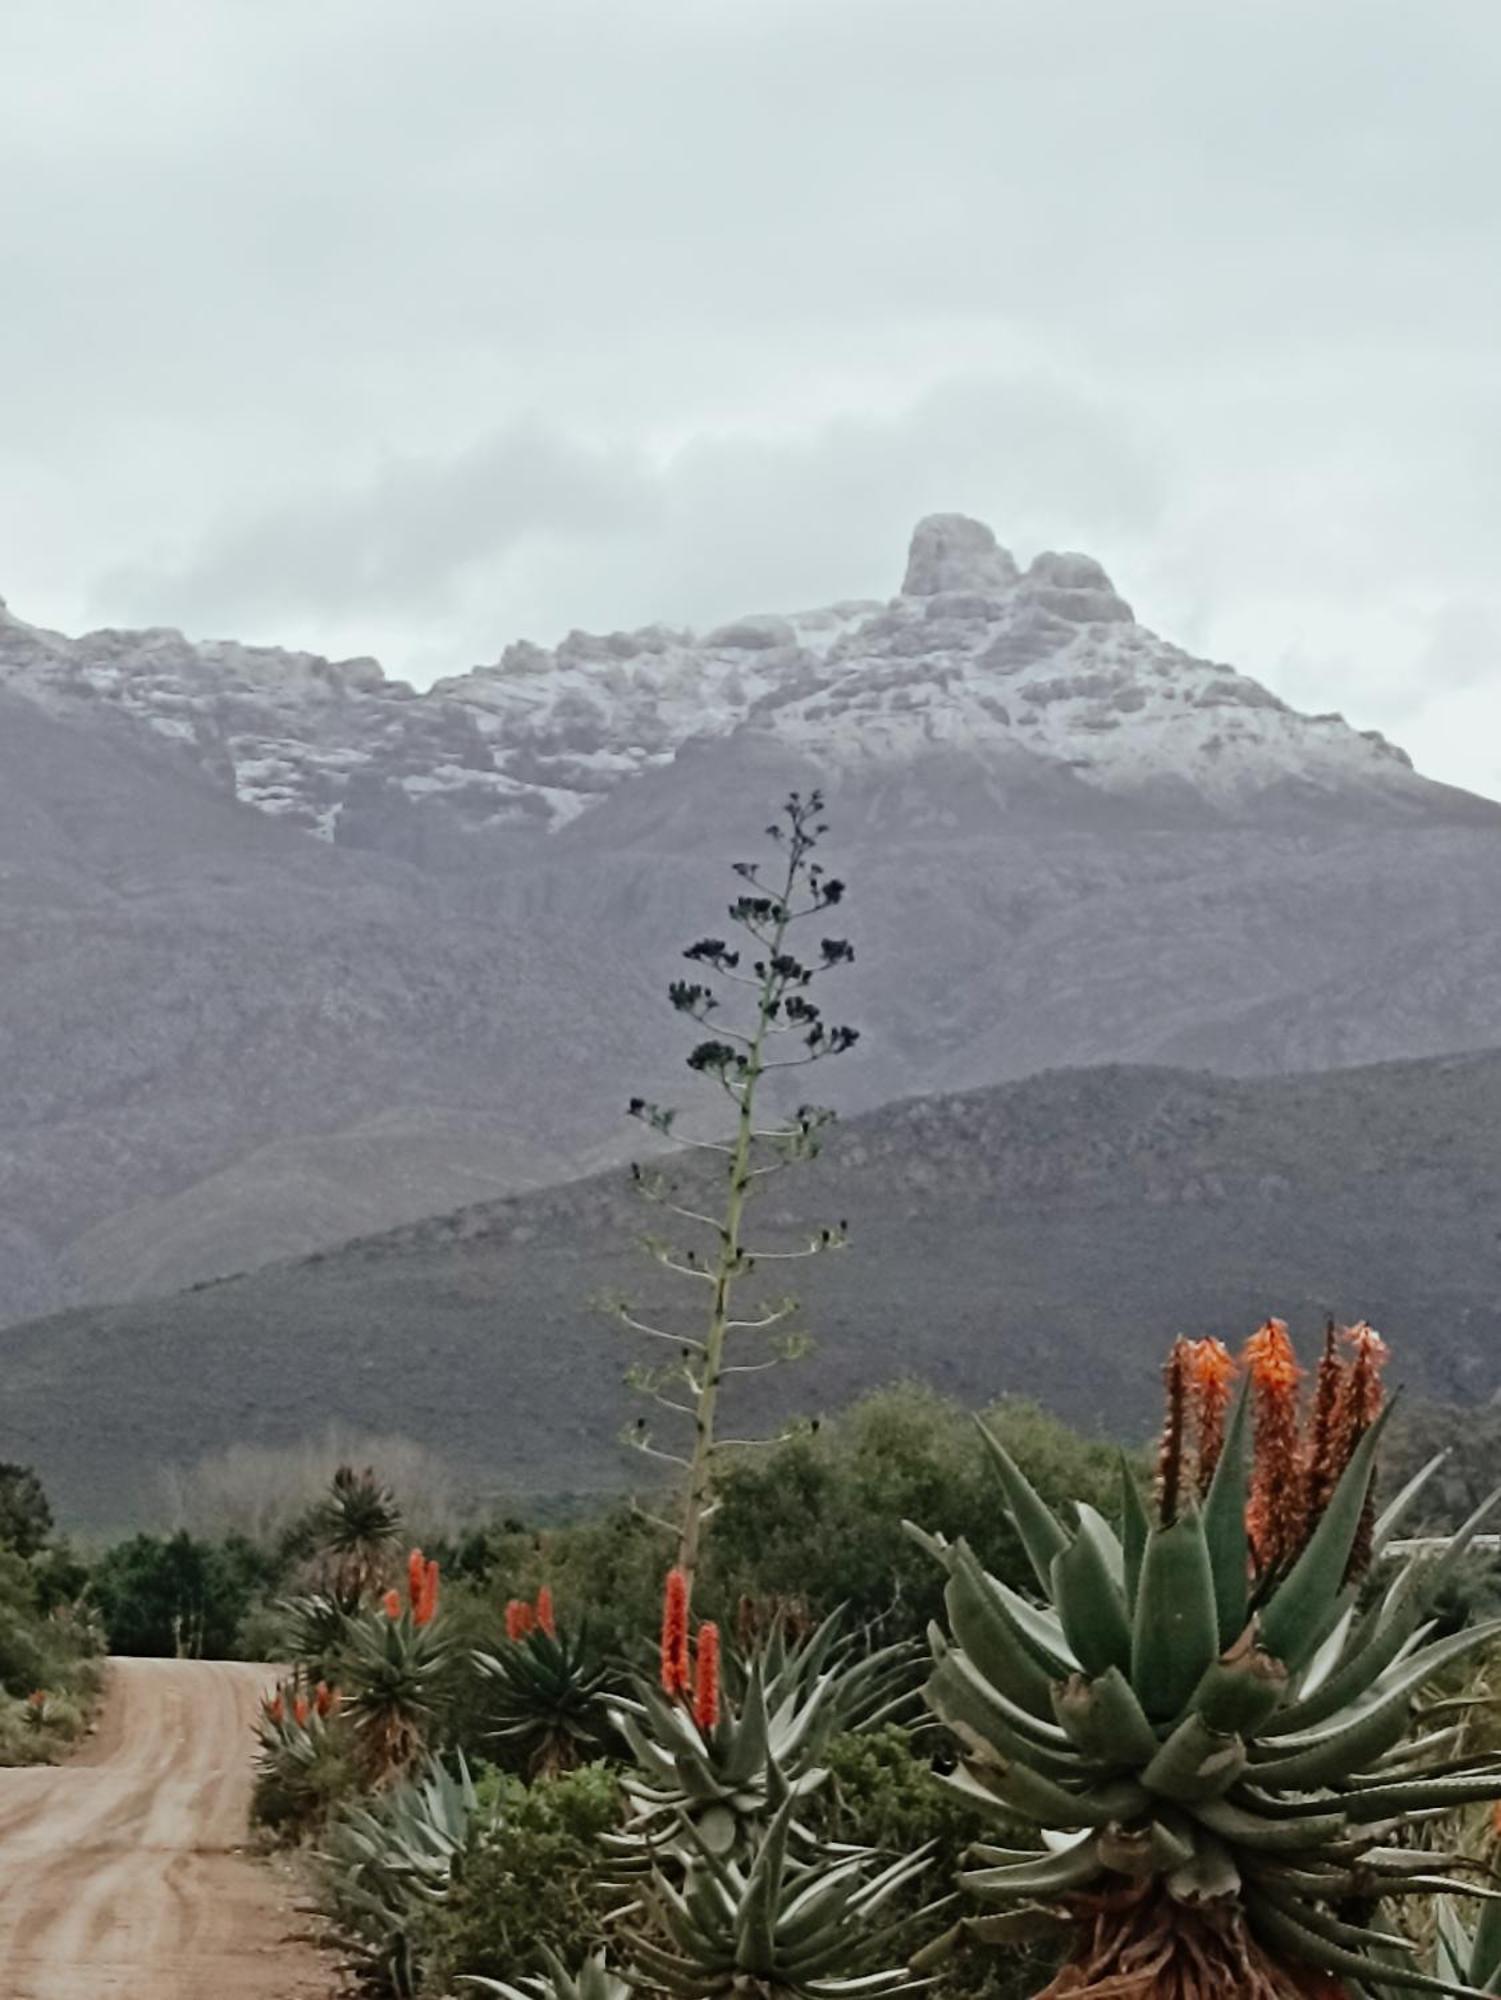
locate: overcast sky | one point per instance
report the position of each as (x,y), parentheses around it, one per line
(415,328)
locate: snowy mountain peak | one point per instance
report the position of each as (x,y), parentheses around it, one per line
(1036,677)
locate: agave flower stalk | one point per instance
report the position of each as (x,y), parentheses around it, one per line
(1208,1734)
(783,1030)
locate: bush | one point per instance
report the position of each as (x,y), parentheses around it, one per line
(174,1597)
(532,1880)
(48,1670)
(820,1517)
(883,1795)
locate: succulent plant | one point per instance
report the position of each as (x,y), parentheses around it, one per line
(548,1697)
(1205,1728)
(387,1864)
(593,1981)
(316,1626)
(1470,1956)
(357,1525)
(394,1663)
(774,1923)
(717,1770)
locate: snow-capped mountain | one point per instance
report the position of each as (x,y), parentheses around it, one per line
(1040,675)
(225,1039)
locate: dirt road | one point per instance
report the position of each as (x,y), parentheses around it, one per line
(120,1875)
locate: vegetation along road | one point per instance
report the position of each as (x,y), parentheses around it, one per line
(123,1870)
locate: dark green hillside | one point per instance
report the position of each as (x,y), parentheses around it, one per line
(1045,1236)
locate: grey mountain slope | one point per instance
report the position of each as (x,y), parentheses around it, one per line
(1045,1237)
(184,985)
(227,1041)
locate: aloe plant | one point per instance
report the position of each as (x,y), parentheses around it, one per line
(593,1981)
(395,1665)
(387,1866)
(357,1525)
(718,1776)
(1470,1955)
(1206,1730)
(775,1923)
(548,1697)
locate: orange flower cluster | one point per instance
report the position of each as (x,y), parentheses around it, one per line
(1297,1462)
(675,1661)
(523,1618)
(37,1699)
(294,1700)
(1277,1517)
(1200,1377)
(422,1591)
(684,1678)
(706,1678)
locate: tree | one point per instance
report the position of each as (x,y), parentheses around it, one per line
(25,1513)
(176,1597)
(739,1060)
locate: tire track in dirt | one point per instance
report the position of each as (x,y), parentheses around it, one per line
(124,1877)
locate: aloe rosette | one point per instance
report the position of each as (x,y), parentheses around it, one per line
(718,1774)
(547,1693)
(1213,1751)
(593,1981)
(775,1922)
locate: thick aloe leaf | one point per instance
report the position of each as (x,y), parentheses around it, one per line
(1195,1763)
(1389,1518)
(1286,1935)
(1225,1526)
(970,1705)
(1072,1869)
(1136,1525)
(1296,1616)
(984,1627)
(1093,1524)
(1176,1633)
(1103,1719)
(1091,1606)
(1354,1738)
(1264,1834)
(1241,1691)
(1043,1535)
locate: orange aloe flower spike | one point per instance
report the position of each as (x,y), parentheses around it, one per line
(544,1613)
(391,1604)
(706,1679)
(1170,1451)
(1211,1377)
(416,1578)
(427,1597)
(1276,1515)
(675,1671)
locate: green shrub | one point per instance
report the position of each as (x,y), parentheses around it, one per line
(532,1880)
(883,1794)
(174,1597)
(820,1518)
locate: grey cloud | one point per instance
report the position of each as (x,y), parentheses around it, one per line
(402,540)
(728,294)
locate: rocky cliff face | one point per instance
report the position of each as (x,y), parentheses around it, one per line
(1042,675)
